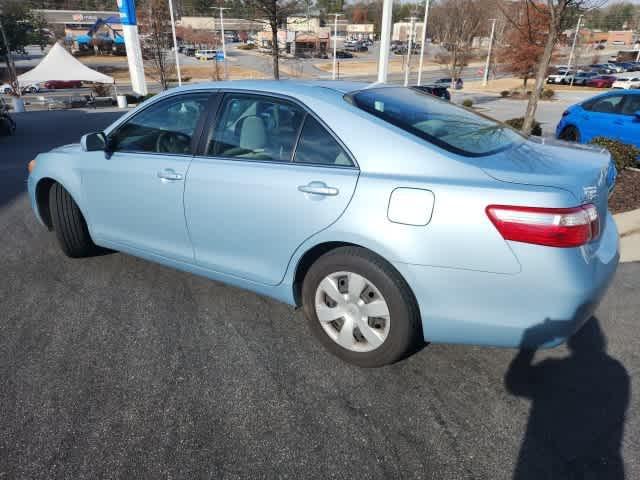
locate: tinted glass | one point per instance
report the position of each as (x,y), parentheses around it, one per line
(316,145)
(255,128)
(448,126)
(165,127)
(631,105)
(610,104)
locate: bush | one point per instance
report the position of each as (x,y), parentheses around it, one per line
(247,46)
(517,124)
(467,102)
(505,93)
(547,94)
(624,154)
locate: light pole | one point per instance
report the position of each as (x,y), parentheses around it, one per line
(407,68)
(424,40)
(573,47)
(224,47)
(335,43)
(385,41)
(175,42)
(485,80)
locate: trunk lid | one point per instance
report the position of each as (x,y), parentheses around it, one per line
(588,173)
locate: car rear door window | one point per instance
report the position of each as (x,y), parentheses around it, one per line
(255,127)
(631,105)
(317,146)
(167,126)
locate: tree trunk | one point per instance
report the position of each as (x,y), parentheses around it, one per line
(524,87)
(541,74)
(274,49)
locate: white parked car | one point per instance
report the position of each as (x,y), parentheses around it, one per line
(6,88)
(561,77)
(627,82)
(205,54)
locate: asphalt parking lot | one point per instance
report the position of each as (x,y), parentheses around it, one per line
(114,367)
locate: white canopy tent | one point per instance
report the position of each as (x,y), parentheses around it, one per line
(59,64)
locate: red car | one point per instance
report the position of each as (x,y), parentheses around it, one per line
(54,84)
(601,81)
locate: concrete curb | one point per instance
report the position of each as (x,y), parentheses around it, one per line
(629,229)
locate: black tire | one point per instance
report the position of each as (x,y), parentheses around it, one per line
(570,134)
(405,332)
(69,224)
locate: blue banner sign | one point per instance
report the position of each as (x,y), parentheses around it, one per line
(127,9)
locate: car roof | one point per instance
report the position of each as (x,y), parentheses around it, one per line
(284,87)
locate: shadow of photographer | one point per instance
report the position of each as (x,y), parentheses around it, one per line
(578,407)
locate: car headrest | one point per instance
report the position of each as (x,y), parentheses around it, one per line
(253,135)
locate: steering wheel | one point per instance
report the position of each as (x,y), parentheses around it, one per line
(173,142)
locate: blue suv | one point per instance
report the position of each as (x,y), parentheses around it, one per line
(613,115)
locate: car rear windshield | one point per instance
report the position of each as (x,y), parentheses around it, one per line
(453,128)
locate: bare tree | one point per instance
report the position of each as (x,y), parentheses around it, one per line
(559,15)
(455,23)
(155,28)
(274,13)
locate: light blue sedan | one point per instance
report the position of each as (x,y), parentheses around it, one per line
(391,217)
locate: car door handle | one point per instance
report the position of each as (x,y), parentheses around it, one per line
(319,188)
(618,122)
(169,174)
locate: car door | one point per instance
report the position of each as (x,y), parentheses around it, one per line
(627,122)
(135,192)
(269,177)
(598,116)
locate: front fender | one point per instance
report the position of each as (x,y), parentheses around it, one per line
(59,168)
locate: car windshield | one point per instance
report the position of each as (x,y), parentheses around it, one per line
(441,123)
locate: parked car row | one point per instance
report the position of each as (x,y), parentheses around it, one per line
(600,71)
(36,87)
(7,89)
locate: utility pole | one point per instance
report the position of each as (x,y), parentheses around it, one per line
(573,47)
(485,80)
(424,40)
(175,42)
(407,68)
(385,41)
(335,43)
(224,47)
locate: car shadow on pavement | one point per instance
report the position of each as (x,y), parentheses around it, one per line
(578,407)
(39,132)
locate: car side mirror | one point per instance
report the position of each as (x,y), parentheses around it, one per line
(636,114)
(94,142)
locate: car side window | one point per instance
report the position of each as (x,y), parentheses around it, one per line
(609,104)
(631,105)
(255,127)
(317,146)
(165,127)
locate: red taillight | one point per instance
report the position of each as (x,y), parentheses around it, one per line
(553,227)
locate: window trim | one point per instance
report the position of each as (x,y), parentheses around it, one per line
(212,121)
(197,132)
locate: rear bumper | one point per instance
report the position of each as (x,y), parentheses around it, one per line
(543,305)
